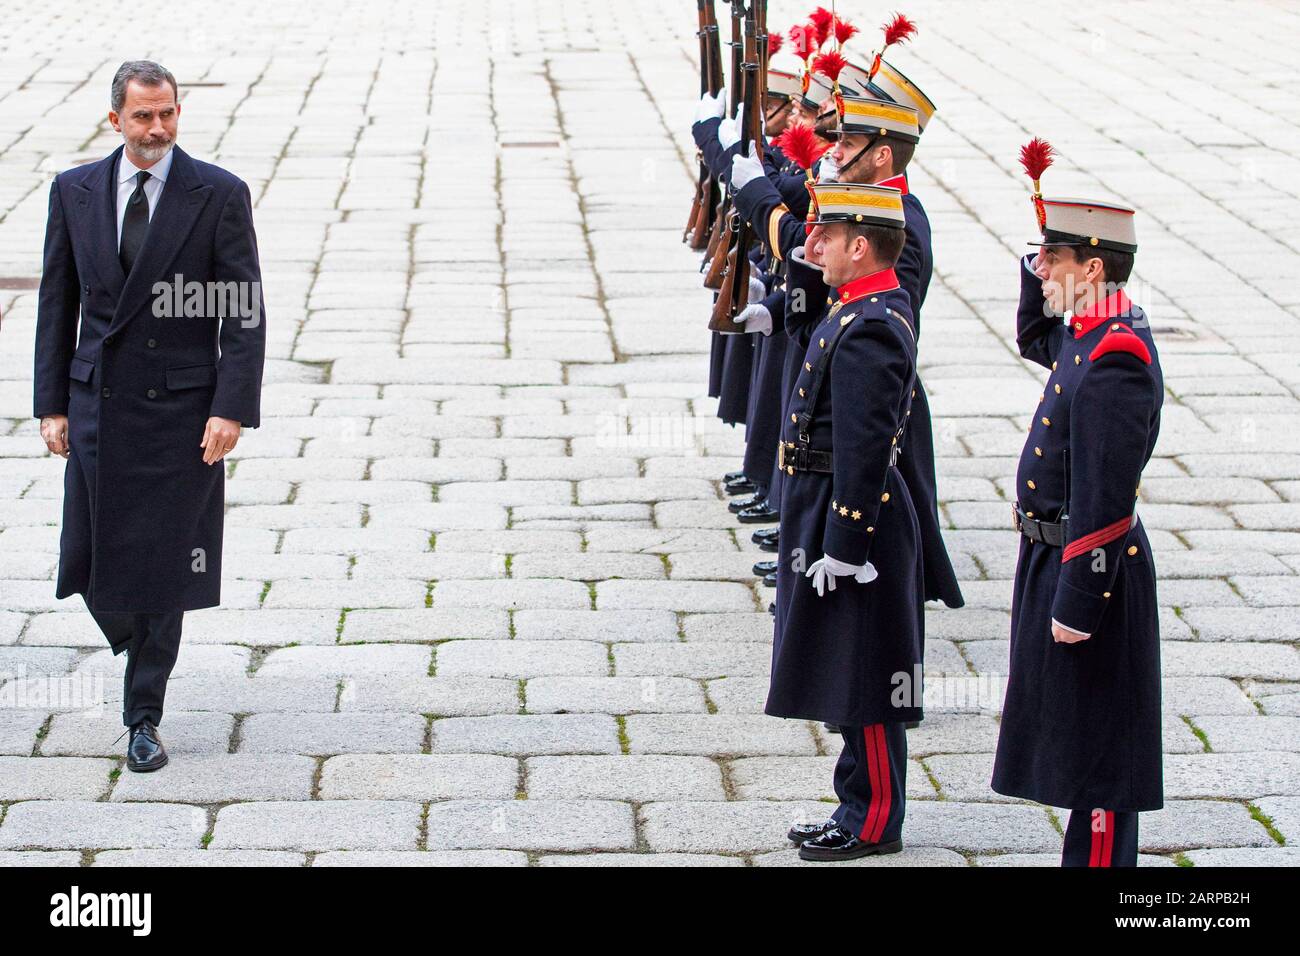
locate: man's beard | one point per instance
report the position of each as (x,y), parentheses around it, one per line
(148,148)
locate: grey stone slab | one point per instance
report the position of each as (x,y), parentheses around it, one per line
(53,778)
(807,778)
(909,856)
(425,624)
(522,659)
(76,825)
(18,731)
(1186,824)
(1242,775)
(640,859)
(526,735)
(322,734)
(26,858)
(718,734)
(318,825)
(405,858)
(221,778)
(624,778)
(531,825)
(614,695)
(198,858)
(181,733)
(439,696)
(420,777)
(621,626)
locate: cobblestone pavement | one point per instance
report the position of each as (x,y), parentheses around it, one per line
(485,602)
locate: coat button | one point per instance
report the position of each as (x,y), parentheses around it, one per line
(1105,594)
(1038,451)
(152,343)
(1053,366)
(1132,550)
(1077,360)
(1047,421)
(1031,485)
(106,391)
(801,393)
(1058,389)
(794,418)
(822,343)
(885,496)
(152,393)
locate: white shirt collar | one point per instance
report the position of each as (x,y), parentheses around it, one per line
(159,170)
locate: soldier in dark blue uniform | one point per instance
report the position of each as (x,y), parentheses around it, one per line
(847,634)
(1081,721)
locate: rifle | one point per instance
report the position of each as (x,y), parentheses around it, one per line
(703,206)
(733,296)
(720,238)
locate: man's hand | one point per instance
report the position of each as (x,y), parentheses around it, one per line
(745,169)
(812,247)
(825,569)
(219,439)
(710,107)
(756,318)
(54,432)
(1063,635)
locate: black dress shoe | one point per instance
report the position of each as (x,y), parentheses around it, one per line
(764,568)
(771,547)
(735,507)
(765,534)
(771,609)
(733,476)
(744,486)
(808,831)
(769,580)
(144,751)
(758,514)
(838,843)
(831,728)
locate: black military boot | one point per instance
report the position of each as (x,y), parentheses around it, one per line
(759,513)
(838,843)
(765,535)
(735,507)
(740,486)
(769,580)
(808,831)
(764,568)
(144,751)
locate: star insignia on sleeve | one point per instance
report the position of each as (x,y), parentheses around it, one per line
(857,515)
(844,512)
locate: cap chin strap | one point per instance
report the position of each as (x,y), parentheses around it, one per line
(870,144)
(772,115)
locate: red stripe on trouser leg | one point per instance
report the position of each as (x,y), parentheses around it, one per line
(873,775)
(1108,839)
(1094,854)
(886,784)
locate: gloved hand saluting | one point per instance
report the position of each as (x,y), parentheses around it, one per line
(745,169)
(711,107)
(826,569)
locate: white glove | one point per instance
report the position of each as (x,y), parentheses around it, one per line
(756,290)
(797,254)
(826,569)
(745,169)
(756,318)
(827,171)
(729,129)
(710,107)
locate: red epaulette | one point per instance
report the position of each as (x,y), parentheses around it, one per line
(1122,339)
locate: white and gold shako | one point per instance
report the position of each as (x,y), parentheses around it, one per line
(1088,222)
(857,203)
(873,117)
(889,83)
(783,86)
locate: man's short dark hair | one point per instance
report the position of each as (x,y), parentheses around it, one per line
(1116,266)
(886,242)
(146,72)
(902,153)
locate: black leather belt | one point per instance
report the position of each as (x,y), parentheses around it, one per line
(791,458)
(1051,533)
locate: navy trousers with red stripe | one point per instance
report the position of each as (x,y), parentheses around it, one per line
(870,780)
(1096,837)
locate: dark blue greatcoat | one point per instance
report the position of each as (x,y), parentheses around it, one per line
(1081,722)
(142,513)
(847,656)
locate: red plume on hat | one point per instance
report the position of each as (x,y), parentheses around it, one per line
(896,30)
(803,38)
(801,145)
(1036,156)
(844,32)
(821,19)
(774,43)
(829,65)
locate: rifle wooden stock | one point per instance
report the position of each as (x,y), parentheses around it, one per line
(735,285)
(703,211)
(713,275)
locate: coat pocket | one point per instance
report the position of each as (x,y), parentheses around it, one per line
(190,376)
(81,370)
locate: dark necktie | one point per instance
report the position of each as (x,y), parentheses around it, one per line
(135,223)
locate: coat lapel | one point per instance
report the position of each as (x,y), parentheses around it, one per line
(183,197)
(96,201)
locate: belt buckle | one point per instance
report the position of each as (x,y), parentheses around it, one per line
(780,456)
(1015,518)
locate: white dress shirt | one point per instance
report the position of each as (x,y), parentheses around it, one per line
(153,187)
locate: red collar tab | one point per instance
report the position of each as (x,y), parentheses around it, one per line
(898,182)
(1084,322)
(864,286)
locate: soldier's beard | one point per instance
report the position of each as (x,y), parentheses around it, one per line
(149,148)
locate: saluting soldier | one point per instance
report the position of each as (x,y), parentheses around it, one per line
(847,633)
(1081,721)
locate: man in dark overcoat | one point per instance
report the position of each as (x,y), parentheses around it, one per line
(149,350)
(1081,721)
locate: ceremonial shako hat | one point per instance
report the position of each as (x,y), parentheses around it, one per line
(782,85)
(872,117)
(857,203)
(1087,222)
(890,84)
(817,93)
